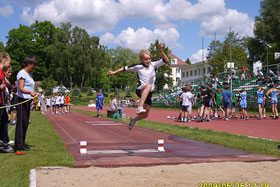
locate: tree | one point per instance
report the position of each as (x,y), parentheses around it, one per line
(20,44)
(31,40)
(121,57)
(48,84)
(77,58)
(188,61)
(163,75)
(220,53)
(2,47)
(267,31)
(76,91)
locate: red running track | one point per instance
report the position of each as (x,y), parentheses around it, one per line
(105,135)
(266,128)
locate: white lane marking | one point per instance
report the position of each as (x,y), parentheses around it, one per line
(123,151)
(32,178)
(99,122)
(103,124)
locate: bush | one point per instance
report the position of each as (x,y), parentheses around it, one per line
(90,92)
(76,91)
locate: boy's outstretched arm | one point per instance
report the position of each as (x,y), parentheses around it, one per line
(115,72)
(164,56)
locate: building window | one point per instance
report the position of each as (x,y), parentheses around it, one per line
(190,73)
(187,74)
(195,72)
(173,61)
(203,70)
(209,69)
(183,74)
(178,70)
(199,73)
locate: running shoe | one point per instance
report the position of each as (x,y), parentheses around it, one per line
(226,119)
(131,123)
(140,110)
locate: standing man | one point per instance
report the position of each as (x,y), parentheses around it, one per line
(99,103)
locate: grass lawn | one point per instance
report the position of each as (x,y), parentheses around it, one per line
(221,138)
(47,149)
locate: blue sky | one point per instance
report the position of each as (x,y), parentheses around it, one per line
(134,24)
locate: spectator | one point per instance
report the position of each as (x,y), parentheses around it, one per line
(259,80)
(14,101)
(25,91)
(243,69)
(260,73)
(233,74)
(5,61)
(114,105)
(271,73)
(277,80)
(243,76)
(228,79)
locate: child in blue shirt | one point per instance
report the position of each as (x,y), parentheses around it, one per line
(243,104)
(99,102)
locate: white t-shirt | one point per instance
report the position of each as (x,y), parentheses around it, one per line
(28,84)
(48,100)
(146,75)
(57,100)
(53,101)
(187,98)
(62,99)
(114,104)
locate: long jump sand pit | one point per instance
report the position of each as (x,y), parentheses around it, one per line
(187,175)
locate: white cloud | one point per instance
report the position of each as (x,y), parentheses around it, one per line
(93,15)
(197,57)
(107,38)
(103,15)
(142,38)
(239,22)
(6,10)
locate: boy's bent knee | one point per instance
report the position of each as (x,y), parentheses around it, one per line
(148,86)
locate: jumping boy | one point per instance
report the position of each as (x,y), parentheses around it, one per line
(146,72)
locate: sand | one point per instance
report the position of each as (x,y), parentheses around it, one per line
(186,175)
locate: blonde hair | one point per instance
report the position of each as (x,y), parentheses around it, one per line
(4,56)
(143,52)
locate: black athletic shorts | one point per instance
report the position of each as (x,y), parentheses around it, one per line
(149,98)
(206,102)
